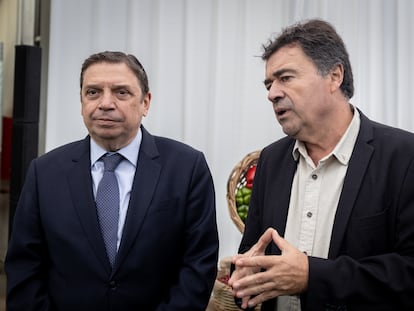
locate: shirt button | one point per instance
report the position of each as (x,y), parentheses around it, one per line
(309,214)
(314,176)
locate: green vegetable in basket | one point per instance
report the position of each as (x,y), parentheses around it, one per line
(239,200)
(242,202)
(243,196)
(242,211)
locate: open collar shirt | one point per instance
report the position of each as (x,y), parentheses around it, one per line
(314,199)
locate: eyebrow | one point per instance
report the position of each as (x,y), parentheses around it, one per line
(121,86)
(113,87)
(279,73)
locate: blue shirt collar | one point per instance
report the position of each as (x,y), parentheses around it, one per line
(129,152)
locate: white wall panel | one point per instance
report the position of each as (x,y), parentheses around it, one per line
(205,73)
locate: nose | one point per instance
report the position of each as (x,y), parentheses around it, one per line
(107,101)
(275,92)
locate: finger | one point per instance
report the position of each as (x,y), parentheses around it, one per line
(281,243)
(264,241)
(237,275)
(245,302)
(257,262)
(237,272)
(258,249)
(253,284)
(240,273)
(255,300)
(249,253)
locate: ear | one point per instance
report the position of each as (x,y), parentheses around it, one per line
(336,77)
(146,102)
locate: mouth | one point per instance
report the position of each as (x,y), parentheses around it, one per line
(105,122)
(281,111)
(105,117)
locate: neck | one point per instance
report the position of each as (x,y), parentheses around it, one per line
(328,135)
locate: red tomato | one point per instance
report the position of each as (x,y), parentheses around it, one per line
(250,176)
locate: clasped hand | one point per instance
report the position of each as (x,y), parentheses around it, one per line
(259,277)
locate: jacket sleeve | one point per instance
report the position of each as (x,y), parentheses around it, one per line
(27,256)
(199,264)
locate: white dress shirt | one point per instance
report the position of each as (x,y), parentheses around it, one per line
(124,173)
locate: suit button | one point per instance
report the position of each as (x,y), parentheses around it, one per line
(113,285)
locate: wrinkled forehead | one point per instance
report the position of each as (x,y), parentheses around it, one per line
(287,56)
(118,73)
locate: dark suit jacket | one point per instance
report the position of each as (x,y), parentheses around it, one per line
(167,258)
(371,255)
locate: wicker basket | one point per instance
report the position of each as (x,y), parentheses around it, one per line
(223,298)
(237,179)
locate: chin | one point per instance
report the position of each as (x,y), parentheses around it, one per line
(290,132)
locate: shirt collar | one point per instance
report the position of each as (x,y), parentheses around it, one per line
(129,152)
(343,150)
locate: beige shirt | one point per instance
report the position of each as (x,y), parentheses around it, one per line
(314,199)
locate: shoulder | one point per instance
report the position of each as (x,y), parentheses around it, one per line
(178,158)
(384,136)
(154,146)
(279,148)
(166,144)
(64,154)
(172,152)
(386,132)
(277,155)
(177,153)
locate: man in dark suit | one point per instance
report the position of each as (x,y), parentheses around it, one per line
(166,237)
(331,218)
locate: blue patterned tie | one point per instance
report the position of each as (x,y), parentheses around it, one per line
(107,203)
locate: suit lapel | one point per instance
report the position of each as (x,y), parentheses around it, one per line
(357,166)
(145,181)
(283,192)
(80,184)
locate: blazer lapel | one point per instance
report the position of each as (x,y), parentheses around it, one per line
(282,192)
(357,166)
(80,184)
(145,181)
